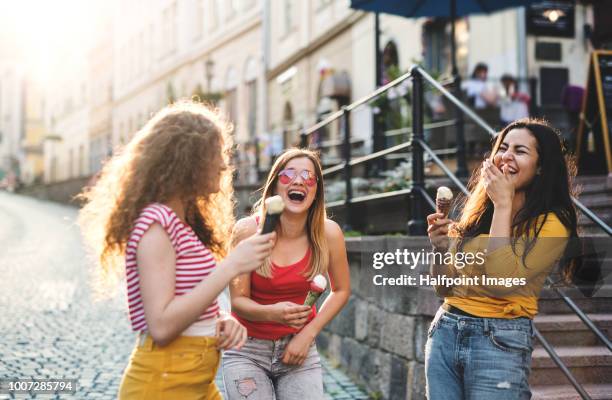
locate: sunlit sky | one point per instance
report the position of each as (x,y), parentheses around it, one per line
(40,34)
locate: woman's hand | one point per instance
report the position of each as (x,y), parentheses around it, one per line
(250,253)
(230,333)
(437,229)
(297,349)
(498,184)
(291,314)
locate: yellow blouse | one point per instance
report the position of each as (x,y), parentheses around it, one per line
(505,286)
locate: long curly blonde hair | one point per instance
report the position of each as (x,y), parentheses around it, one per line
(169,157)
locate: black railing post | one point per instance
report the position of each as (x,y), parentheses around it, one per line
(346,129)
(303,139)
(257,158)
(533,93)
(416,225)
(462,170)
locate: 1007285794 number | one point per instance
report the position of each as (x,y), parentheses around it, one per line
(37,386)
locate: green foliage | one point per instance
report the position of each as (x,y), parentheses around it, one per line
(208,97)
(375,396)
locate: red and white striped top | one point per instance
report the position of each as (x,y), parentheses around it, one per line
(193,260)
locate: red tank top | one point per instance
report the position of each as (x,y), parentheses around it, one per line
(287,284)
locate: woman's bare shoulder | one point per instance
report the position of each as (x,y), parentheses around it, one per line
(244,227)
(333,230)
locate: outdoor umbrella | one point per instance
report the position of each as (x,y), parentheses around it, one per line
(438,8)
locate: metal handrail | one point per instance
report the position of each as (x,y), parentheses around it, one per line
(418,192)
(592,216)
(360,160)
(431,125)
(455,100)
(587,321)
(492,132)
(336,115)
(444,168)
(557,360)
(549,349)
(428,198)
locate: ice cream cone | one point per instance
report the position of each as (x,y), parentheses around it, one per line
(444,198)
(274,209)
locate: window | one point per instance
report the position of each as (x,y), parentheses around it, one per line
(215,14)
(199,20)
(231,105)
(436,46)
(70,164)
(250,77)
(252,108)
(173,27)
(390,61)
(232,8)
(151,46)
(141,52)
(231,95)
(81,165)
(288,17)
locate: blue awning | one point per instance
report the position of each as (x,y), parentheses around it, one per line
(436,8)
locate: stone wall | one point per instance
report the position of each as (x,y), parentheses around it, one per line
(379,336)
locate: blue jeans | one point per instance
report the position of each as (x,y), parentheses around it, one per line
(478,358)
(256,372)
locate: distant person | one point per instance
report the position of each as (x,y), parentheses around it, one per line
(513,105)
(162,209)
(571,98)
(479,94)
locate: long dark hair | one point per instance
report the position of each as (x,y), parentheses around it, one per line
(550,190)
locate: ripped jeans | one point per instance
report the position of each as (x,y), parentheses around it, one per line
(256,372)
(478,358)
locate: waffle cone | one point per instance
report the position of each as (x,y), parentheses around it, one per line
(443,206)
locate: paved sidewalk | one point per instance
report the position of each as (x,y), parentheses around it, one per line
(51,324)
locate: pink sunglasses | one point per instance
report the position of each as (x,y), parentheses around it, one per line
(288,175)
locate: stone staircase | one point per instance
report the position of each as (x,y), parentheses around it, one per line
(579,349)
(596,194)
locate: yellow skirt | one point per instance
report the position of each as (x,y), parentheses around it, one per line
(184,369)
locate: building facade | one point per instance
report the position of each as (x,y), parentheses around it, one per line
(278,66)
(171,49)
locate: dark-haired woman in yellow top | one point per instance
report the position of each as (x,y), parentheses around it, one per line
(519,216)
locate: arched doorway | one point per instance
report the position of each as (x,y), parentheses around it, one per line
(288,126)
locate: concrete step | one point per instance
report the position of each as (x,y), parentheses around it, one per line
(555,305)
(567,392)
(589,364)
(604,214)
(604,291)
(569,330)
(593,182)
(597,201)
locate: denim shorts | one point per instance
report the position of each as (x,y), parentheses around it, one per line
(256,372)
(470,358)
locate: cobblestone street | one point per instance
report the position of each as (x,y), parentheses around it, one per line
(52,327)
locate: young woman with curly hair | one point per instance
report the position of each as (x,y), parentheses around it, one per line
(162,209)
(519,217)
(280,359)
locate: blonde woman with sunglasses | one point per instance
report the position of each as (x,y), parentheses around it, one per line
(280,359)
